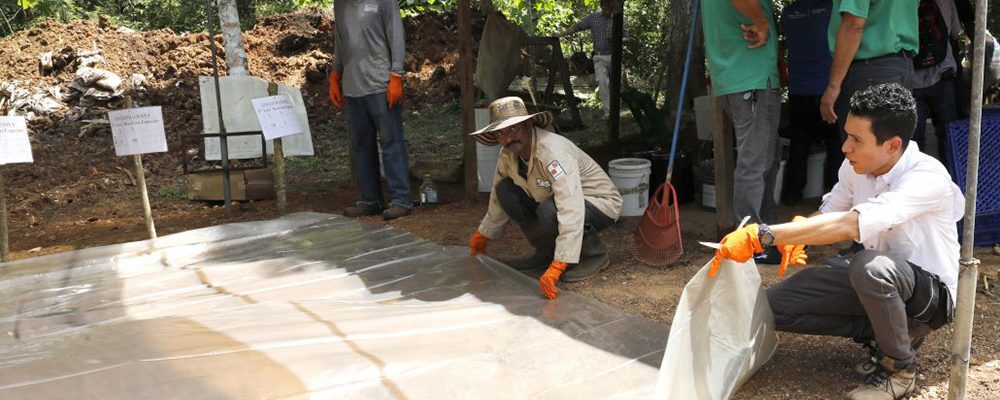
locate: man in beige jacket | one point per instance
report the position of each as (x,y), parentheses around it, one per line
(556,193)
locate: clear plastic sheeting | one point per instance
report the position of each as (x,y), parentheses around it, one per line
(310,306)
(722,332)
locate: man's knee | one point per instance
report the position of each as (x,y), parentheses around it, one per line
(870,264)
(548,215)
(507,192)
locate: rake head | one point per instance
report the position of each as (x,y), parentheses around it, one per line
(657,240)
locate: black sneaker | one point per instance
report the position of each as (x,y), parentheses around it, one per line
(362,209)
(770,256)
(394,212)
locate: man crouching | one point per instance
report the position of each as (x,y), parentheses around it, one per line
(553,190)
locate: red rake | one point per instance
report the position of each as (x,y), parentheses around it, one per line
(657,240)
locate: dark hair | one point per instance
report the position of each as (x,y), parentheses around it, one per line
(891,109)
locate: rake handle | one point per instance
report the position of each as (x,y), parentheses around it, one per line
(684,81)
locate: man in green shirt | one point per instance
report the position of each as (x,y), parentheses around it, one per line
(741,47)
(872,41)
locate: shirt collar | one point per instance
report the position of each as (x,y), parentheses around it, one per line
(905,163)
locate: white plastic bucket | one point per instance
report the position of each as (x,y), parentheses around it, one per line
(703,117)
(631,176)
(486,156)
(708,195)
(486,165)
(814,176)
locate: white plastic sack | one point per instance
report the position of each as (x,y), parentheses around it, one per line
(722,332)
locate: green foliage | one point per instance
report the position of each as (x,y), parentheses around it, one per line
(412,8)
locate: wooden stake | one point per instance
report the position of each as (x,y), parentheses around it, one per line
(4,246)
(722,134)
(141,178)
(279,163)
(140,174)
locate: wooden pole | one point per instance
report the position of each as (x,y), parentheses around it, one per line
(722,135)
(4,244)
(141,177)
(279,163)
(467,101)
(140,174)
(968,274)
(617,26)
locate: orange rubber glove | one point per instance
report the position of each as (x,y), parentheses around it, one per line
(394,93)
(335,97)
(738,246)
(549,279)
(794,254)
(477,244)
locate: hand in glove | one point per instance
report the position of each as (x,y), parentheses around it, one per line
(549,279)
(794,254)
(738,246)
(335,97)
(394,93)
(477,244)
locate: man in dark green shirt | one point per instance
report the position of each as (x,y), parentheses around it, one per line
(872,41)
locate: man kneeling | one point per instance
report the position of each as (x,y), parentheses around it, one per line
(554,191)
(902,206)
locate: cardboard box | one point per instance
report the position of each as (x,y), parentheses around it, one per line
(252,184)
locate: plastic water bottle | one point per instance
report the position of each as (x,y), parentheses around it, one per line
(428,192)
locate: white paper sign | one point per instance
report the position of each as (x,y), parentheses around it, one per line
(238,93)
(138,131)
(14,144)
(277,116)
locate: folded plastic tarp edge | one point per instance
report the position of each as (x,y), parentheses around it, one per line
(722,332)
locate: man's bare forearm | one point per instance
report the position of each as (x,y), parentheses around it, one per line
(848,41)
(819,229)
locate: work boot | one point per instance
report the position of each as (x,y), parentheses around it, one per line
(362,209)
(593,258)
(394,212)
(869,364)
(544,249)
(885,384)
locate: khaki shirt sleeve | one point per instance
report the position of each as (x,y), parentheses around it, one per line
(495,222)
(567,191)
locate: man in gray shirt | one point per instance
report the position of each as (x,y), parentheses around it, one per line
(367,83)
(600,25)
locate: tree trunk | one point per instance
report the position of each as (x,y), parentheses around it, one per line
(681,10)
(232,38)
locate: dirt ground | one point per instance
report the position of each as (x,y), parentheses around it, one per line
(78,194)
(804,367)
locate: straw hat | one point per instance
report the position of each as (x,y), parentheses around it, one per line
(505,112)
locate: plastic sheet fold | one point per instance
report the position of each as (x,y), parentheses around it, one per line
(722,332)
(309,306)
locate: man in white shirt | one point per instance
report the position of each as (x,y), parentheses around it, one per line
(902,206)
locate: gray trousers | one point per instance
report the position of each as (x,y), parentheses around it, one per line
(755,116)
(864,301)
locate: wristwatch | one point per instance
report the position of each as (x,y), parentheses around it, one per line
(765,235)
